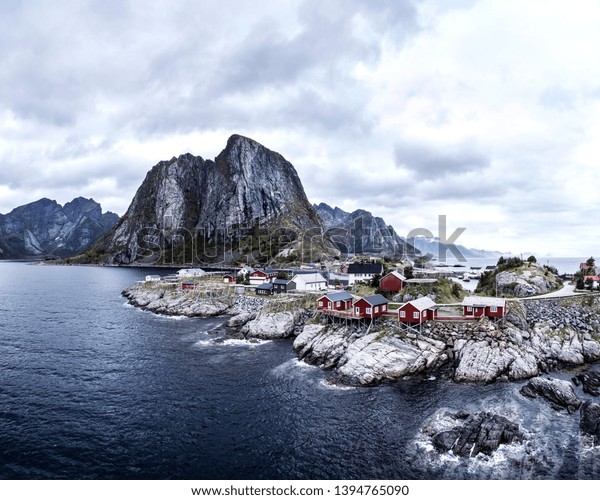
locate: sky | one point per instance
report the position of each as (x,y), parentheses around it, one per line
(487,112)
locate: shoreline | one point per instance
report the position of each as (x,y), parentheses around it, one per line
(536,337)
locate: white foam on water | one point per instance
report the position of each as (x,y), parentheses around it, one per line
(232,342)
(336,387)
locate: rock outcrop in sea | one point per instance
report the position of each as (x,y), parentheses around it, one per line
(46,229)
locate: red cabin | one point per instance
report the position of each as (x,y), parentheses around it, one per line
(338,301)
(392,282)
(228,278)
(189,285)
(372,306)
(490,307)
(417,311)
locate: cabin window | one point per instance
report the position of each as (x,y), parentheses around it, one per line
(320,303)
(376,309)
(337,304)
(368,310)
(403,314)
(494,309)
(384,307)
(416,315)
(424,314)
(469,309)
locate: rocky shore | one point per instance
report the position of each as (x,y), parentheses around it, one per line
(536,336)
(522,346)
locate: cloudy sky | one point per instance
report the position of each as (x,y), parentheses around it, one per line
(485,111)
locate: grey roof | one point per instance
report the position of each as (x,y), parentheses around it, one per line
(265,286)
(365,268)
(476,301)
(338,296)
(376,300)
(279,281)
(421,304)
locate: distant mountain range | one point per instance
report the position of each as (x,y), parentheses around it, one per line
(46,229)
(248,204)
(434,247)
(359,232)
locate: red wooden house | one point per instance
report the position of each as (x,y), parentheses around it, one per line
(229,278)
(490,307)
(417,311)
(338,301)
(372,306)
(260,276)
(392,282)
(189,285)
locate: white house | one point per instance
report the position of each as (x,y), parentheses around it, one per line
(152,277)
(363,272)
(310,282)
(191,273)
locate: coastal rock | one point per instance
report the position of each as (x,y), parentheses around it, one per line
(480,362)
(589,423)
(321,345)
(371,359)
(559,393)
(525,283)
(367,359)
(468,436)
(271,325)
(590,382)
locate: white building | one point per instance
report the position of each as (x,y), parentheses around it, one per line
(152,277)
(191,273)
(313,282)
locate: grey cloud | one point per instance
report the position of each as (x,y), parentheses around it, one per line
(426,159)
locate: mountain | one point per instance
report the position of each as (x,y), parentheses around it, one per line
(360,232)
(46,229)
(246,203)
(432,246)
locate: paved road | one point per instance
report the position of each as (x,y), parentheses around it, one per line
(567,290)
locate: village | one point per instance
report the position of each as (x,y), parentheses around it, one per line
(344,296)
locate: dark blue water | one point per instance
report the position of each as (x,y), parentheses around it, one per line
(91,388)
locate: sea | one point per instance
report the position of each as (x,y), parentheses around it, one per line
(92,388)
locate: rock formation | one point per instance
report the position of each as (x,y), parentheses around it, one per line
(360,232)
(247,203)
(46,229)
(559,393)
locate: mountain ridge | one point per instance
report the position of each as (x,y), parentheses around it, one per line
(45,229)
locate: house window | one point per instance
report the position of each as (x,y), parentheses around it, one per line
(416,315)
(320,303)
(368,310)
(494,309)
(425,314)
(469,309)
(403,314)
(376,309)
(337,304)
(384,307)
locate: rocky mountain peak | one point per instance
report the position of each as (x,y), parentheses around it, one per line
(45,228)
(190,204)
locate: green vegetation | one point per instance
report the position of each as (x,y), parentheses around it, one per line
(446,291)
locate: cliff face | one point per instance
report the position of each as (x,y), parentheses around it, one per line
(44,228)
(249,201)
(360,232)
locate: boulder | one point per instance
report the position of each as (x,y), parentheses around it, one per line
(589,424)
(559,393)
(468,435)
(590,382)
